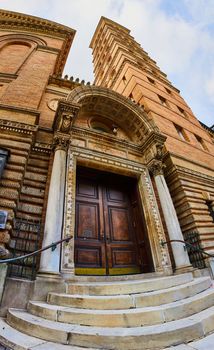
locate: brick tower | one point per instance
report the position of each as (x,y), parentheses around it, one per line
(121,64)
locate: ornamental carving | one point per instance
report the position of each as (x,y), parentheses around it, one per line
(156,167)
(65,114)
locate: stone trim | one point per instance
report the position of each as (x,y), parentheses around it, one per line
(107,159)
(42,147)
(187,171)
(20,128)
(160,256)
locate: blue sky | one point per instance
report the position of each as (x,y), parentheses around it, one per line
(178,34)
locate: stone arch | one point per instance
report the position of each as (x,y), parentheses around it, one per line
(110,104)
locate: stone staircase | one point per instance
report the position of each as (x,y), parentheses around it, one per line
(136,313)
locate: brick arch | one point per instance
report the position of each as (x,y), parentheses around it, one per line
(109,104)
(25,38)
(15,49)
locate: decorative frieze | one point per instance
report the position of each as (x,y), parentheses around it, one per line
(20,128)
(42,147)
(99,157)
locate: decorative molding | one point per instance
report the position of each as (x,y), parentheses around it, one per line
(42,147)
(48,49)
(197,174)
(18,127)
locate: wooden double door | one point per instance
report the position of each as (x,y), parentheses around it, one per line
(110,234)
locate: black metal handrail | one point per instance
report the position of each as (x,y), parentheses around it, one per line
(187,245)
(51,246)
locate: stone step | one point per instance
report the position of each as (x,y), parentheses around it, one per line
(206,343)
(15,340)
(135,317)
(127,287)
(113,278)
(133,338)
(116,302)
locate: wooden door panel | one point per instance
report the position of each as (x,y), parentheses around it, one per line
(115,195)
(89,256)
(119,227)
(87,221)
(87,188)
(123,257)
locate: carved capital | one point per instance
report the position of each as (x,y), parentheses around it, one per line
(61,142)
(65,114)
(156,167)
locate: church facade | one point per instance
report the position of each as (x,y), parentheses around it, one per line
(121,167)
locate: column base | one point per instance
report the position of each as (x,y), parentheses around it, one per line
(47,282)
(51,275)
(184,269)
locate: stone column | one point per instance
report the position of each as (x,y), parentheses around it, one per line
(180,254)
(50,260)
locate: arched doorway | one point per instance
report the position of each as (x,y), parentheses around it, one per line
(115,136)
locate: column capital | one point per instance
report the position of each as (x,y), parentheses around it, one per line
(156,167)
(61,142)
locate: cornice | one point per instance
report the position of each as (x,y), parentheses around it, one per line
(10,18)
(194,173)
(154,137)
(22,110)
(53,79)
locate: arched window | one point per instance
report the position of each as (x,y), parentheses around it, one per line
(13,55)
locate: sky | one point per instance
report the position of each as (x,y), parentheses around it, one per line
(177,34)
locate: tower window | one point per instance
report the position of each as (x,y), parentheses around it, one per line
(151,80)
(124,79)
(210,208)
(163,101)
(181,133)
(201,143)
(181,110)
(168,91)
